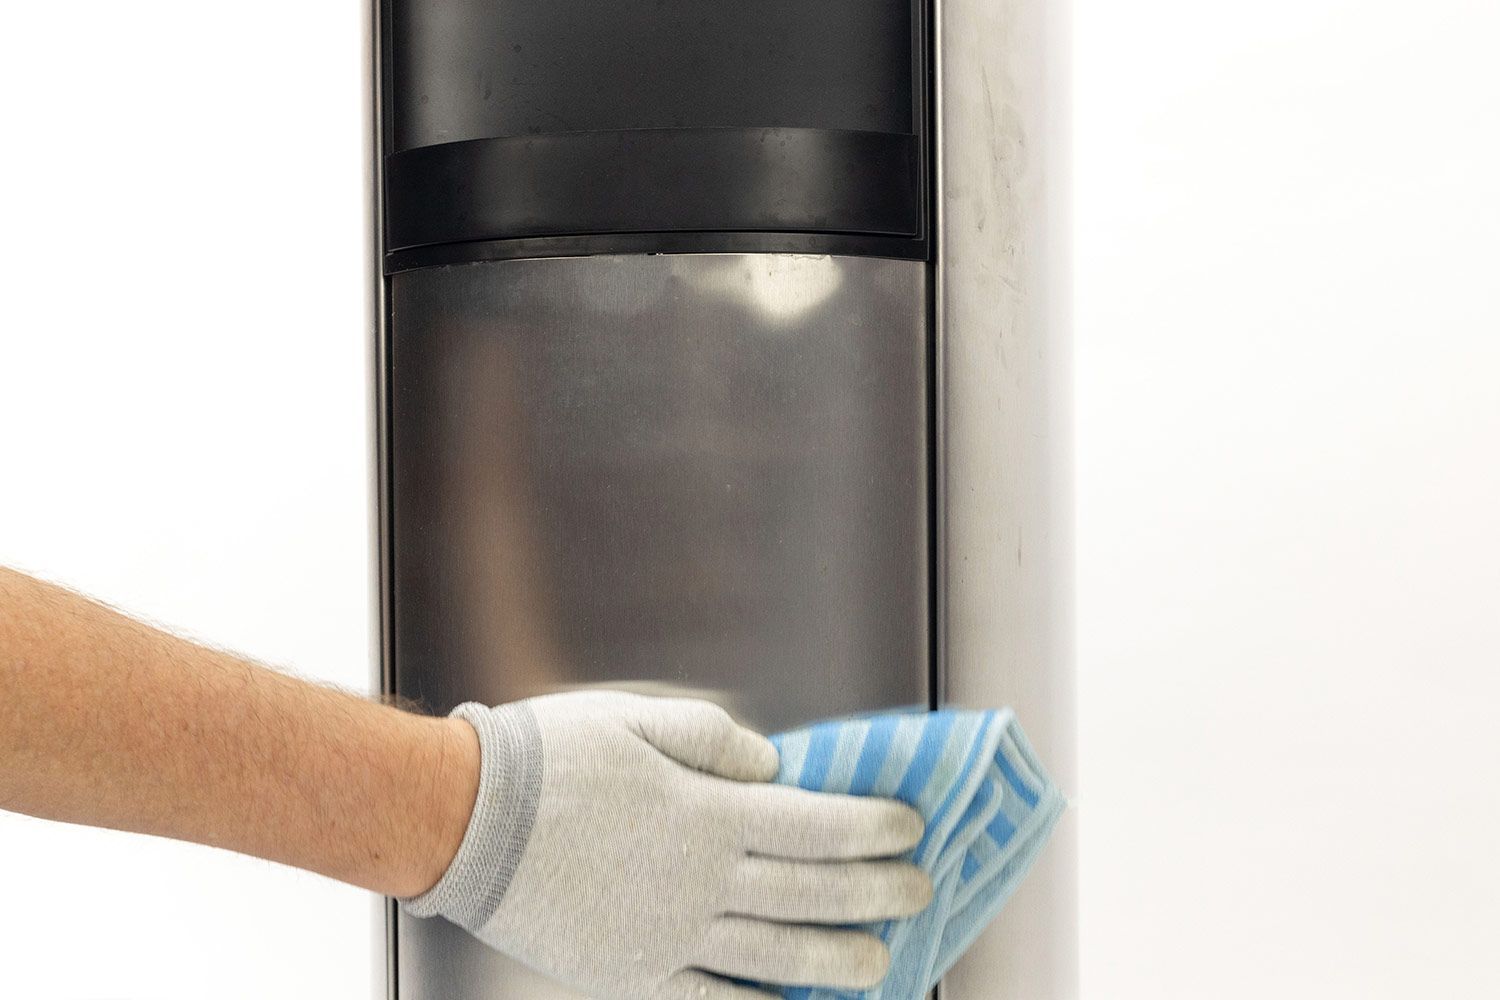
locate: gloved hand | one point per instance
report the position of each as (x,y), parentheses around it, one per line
(629,847)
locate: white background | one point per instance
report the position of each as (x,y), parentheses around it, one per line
(1287,234)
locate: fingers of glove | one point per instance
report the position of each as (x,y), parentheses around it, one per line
(701,735)
(695,984)
(793,955)
(787,822)
(840,892)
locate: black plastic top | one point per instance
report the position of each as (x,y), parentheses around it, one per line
(597,119)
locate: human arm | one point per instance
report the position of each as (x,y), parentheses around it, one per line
(108,722)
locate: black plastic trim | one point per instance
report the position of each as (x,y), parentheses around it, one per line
(724,180)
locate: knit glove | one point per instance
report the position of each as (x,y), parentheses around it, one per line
(631,848)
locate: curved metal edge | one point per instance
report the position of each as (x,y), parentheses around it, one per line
(383,916)
(657,243)
(1005,440)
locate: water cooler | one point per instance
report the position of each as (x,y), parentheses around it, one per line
(720,348)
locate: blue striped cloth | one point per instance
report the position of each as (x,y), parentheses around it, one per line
(989,808)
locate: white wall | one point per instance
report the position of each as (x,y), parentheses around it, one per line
(182,414)
(1289,415)
(1289,498)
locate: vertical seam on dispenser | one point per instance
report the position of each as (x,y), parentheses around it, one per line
(385,529)
(936,438)
(937,463)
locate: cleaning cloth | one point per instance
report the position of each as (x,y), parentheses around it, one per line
(989,808)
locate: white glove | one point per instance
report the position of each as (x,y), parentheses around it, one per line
(629,847)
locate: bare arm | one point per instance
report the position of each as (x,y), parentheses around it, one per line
(108,722)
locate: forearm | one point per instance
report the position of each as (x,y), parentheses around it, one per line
(108,722)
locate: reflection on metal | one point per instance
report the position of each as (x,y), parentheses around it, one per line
(707,473)
(1003,492)
(781,288)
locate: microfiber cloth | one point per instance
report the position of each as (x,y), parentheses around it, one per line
(989,807)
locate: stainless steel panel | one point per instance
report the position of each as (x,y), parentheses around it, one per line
(1004,545)
(708,472)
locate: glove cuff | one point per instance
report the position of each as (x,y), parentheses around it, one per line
(510,782)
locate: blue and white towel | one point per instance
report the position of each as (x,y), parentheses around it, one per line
(989,807)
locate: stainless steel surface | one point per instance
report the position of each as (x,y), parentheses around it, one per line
(1003,493)
(708,472)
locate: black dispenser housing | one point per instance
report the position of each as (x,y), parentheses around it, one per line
(516,128)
